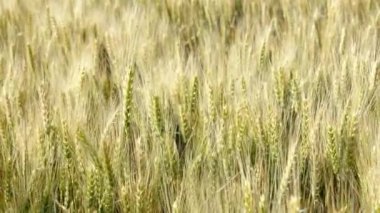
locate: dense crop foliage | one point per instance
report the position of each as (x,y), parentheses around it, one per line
(189,106)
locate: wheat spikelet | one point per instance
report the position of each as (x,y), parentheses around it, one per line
(211,105)
(273,139)
(194,97)
(213,158)
(127,143)
(344,132)
(242,129)
(103,60)
(41,149)
(93,190)
(315,178)
(8,188)
(345,123)
(244,87)
(70,167)
(296,100)
(9,115)
(232,90)
(260,134)
(248,198)
(45,110)
(52,23)
(280,88)
(196,165)
(352,144)
(67,147)
(305,141)
(4,132)
(21,102)
(156,117)
(31,60)
(185,90)
(184,123)
(286,175)
(44,135)
(345,80)
(67,198)
(80,138)
(232,146)
(107,202)
(111,180)
(263,53)
(125,200)
(332,152)
(103,64)
(128,101)
(220,146)
(139,196)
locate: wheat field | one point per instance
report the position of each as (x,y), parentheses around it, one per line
(190,106)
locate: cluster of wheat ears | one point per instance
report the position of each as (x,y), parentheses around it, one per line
(189,106)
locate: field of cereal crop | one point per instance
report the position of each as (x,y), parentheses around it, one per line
(189,106)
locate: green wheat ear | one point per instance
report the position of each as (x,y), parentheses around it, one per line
(273,138)
(31,59)
(280,88)
(242,133)
(44,135)
(352,136)
(128,100)
(67,146)
(211,105)
(4,132)
(263,53)
(110,180)
(107,201)
(232,89)
(8,188)
(332,151)
(104,69)
(185,123)
(127,144)
(70,165)
(21,102)
(156,117)
(244,87)
(108,166)
(45,109)
(248,198)
(305,141)
(295,92)
(94,190)
(194,97)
